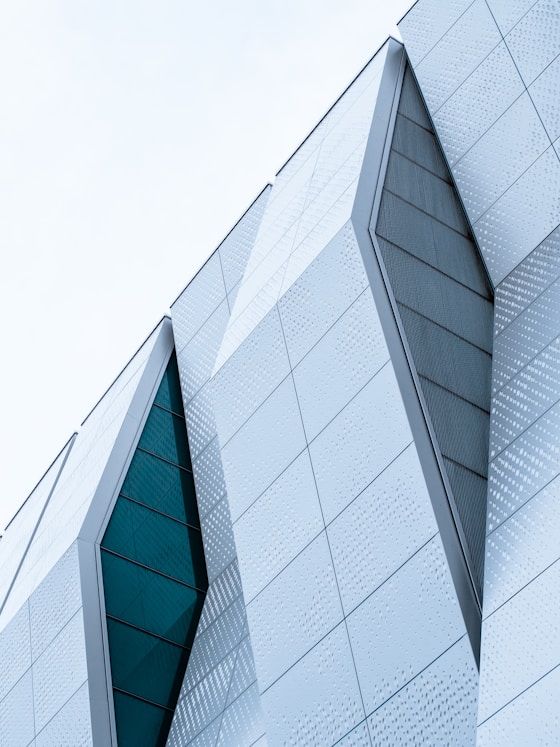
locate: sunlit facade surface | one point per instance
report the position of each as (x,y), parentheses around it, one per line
(320,505)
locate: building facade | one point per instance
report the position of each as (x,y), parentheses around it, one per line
(319,506)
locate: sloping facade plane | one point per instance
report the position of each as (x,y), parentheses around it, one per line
(318,507)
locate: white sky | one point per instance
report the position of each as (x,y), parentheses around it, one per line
(133,134)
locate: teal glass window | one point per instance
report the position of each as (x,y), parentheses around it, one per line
(154,574)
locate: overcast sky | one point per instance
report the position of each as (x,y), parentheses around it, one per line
(132,137)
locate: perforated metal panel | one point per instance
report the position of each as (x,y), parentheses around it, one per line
(444,303)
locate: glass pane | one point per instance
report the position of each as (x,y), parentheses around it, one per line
(150,601)
(169,392)
(165,434)
(144,665)
(140,724)
(156,541)
(163,486)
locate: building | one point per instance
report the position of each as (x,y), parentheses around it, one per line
(357,542)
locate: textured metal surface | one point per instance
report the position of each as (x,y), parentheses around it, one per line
(309,203)
(527,282)
(522,547)
(71,725)
(20,530)
(218,701)
(16,714)
(386,524)
(523,469)
(15,651)
(340,364)
(296,713)
(457,54)
(198,355)
(545,92)
(526,397)
(235,249)
(380,628)
(414,714)
(505,232)
(459,124)
(424,25)
(217,536)
(509,175)
(306,310)
(287,605)
(508,12)
(56,600)
(519,643)
(535,40)
(269,441)
(278,525)
(532,718)
(515,140)
(59,672)
(261,363)
(526,336)
(209,477)
(195,304)
(359,443)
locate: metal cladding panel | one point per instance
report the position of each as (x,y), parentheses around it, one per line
(508,12)
(522,217)
(22,527)
(71,725)
(340,364)
(199,354)
(388,650)
(459,124)
(15,651)
(532,718)
(545,92)
(298,712)
(303,597)
(527,396)
(309,203)
(60,671)
(357,446)
(218,700)
(426,25)
(236,248)
(457,54)
(535,40)
(16,714)
(261,363)
(445,310)
(520,643)
(242,720)
(497,135)
(289,510)
(516,140)
(524,468)
(414,714)
(55,601)
(42,659)
(383,527)
(528,335)
(68,506)
(524,284)
(306,310)
(519,646)
(521,548)
(196,303)
(277,429)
